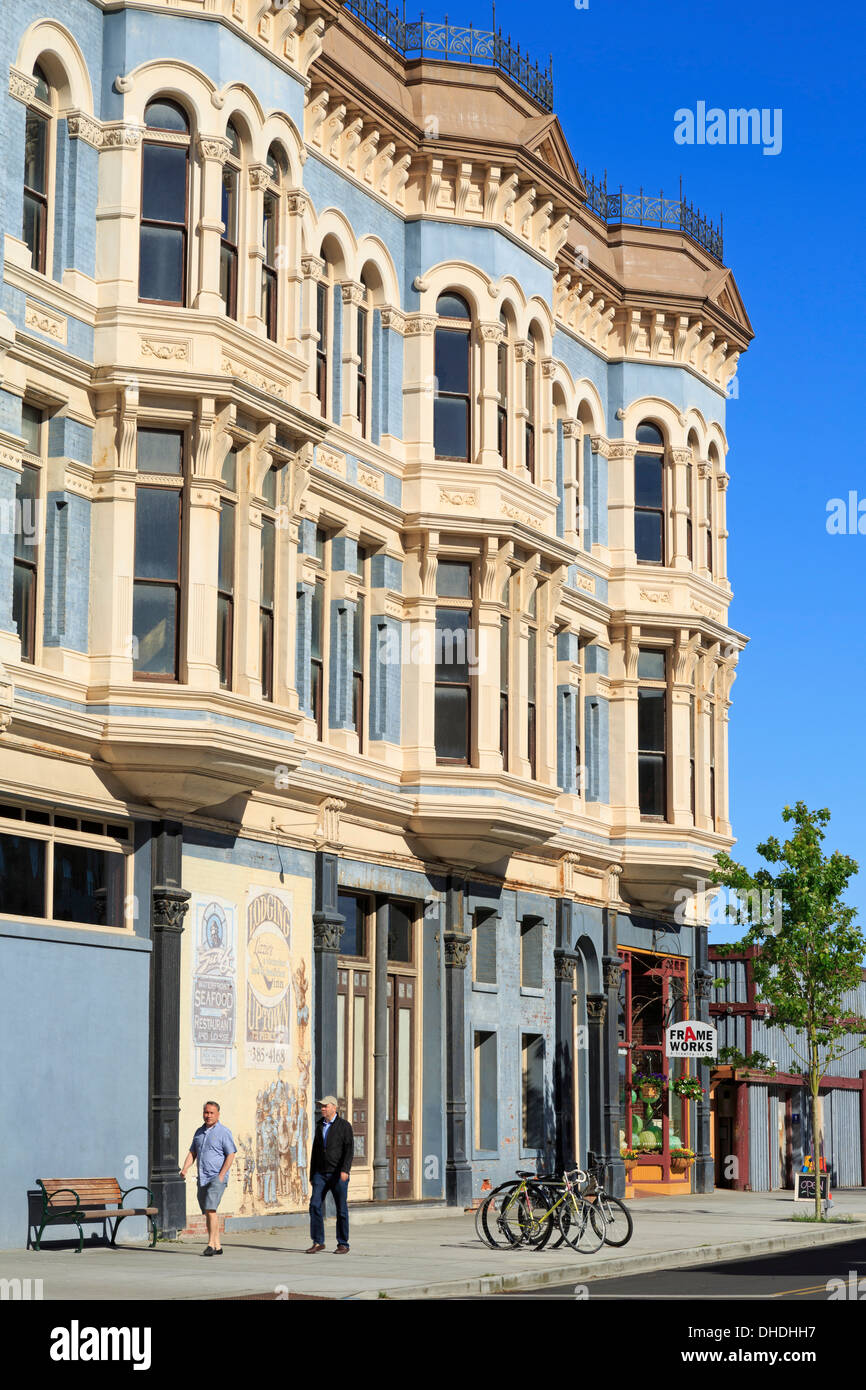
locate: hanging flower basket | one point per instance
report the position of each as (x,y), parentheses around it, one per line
(682,1160)
(687,1086)
(650,1085)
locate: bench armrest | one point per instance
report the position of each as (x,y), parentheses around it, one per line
(140,1187)
(61,1191)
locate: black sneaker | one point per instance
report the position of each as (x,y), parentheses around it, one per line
(208,1250)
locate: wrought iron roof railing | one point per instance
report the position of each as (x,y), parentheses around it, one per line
(647,210)
(459,43)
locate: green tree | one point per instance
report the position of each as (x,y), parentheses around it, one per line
(810,952)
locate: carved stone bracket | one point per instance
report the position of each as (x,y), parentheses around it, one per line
(564,963)
(596,1008)
(170,906)
(327,932)
(457,946)
(703,984)
(612,972)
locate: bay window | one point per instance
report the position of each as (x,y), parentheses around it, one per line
(649,493)
(452,431)
(652,734)
(62,868)
(156,602)
(164,204)
(226,570)
(453,685)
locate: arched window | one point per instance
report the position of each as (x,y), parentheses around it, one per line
(530,401)
(502,375)
(364,329)
(709,484)
(649,514)
(271,240)
(323,302)
(691,473)
(230,215)
(164,204)
(452,428)
(37,162)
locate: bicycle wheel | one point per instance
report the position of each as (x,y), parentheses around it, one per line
(501,1216)
(582,1225)
(617,1220)
(539,1219)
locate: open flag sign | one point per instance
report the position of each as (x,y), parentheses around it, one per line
(691,1039)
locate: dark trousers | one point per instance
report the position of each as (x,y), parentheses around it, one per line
(322,1183)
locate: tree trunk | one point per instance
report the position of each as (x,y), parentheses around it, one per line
(814,1083)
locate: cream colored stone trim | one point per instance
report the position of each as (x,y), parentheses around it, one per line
(42,320)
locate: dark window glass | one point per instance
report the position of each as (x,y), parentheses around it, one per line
(35,151)
(652,779)
(485,951)
(92,827)
(504,667)
(225,594)
(487,1082)
(38,817)
(269,487)
(163,250)
(452,724)
(531,950)
(453,579)
(229,471)
(358,672)
(157,519)
(270,224)
(648,480)
(22,876)
(316,657)
(451,427)
(25,551)
(452,361)
(649,434)
(154,621)
(163,222)
(317,616)
(88,886)
(322,344)
(502,408)
(531,713)
(229,240)
(400,921)
(160,451)
(533,1091)
(354,939)
(163,183)
(452,644)
(648,537)
(650,665)
(156,597)
(267,607)
(225,581)
(452,306)
(66,822)
(166,115)
(35,208)
(43,91)
(31,428)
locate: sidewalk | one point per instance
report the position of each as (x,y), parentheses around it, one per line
(438,1256)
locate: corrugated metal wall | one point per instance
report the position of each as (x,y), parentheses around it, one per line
(759,1147)
(774,1103)
(733,972)
(842,1136)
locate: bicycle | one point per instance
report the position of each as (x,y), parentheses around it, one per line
(619,1225)
(524,1213)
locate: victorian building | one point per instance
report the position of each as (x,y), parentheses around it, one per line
(364,649)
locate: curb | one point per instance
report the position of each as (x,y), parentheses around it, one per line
(622,1266)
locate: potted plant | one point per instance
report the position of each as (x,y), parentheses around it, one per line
(650,1084)
(688,1086)
(681,1160)
(631,1157)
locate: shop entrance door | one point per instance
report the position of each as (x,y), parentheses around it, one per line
(399,1125)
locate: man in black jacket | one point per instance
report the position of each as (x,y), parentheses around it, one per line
(330,1165)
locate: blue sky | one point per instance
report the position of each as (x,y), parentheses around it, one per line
(794,239)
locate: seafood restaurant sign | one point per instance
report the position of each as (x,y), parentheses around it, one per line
(691,1039)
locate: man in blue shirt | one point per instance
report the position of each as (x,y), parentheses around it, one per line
(213,1148)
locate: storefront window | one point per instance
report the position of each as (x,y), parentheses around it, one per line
(654,1120)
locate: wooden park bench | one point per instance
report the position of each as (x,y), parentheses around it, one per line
(73,1200)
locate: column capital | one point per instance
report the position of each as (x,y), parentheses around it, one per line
(327,931)
(612,971)
(457,946)
(596,1008)
(214,147)
(564,963)
(170,906)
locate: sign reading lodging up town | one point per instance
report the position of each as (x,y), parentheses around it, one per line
(691,1039)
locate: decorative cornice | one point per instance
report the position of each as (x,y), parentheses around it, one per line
(83,127)
(22,86)
(394,319)
(419,326)
(120,136)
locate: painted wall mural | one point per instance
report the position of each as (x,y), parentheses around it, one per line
(248,968)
